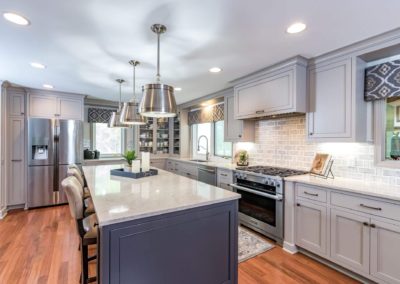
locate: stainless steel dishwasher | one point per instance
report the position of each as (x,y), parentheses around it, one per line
(207,174)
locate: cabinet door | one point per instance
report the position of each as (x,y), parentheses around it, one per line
(225,186)
(233,127)
(16,104)
(350,240)
(311,227)
(330,101)
(42,106)
(265,96)
(16,171)
(69,108)
(385,251)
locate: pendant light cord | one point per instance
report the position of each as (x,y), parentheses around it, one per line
(120,88)
(158,57)
(134,83)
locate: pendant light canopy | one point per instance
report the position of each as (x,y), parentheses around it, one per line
(129,112)
(115,116)
(158,99)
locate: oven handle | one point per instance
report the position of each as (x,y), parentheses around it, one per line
(256,192)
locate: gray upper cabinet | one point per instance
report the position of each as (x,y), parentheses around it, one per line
(337,111)
(16,102)
(236,130)
(279,89)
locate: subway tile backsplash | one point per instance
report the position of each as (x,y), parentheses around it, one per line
(282,142)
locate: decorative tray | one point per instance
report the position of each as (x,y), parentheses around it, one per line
(122,173)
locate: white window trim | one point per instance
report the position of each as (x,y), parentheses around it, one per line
(379,136)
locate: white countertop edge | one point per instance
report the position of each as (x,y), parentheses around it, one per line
(351,186)
(166,211)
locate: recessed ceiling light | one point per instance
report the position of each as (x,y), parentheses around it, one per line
(38,65)
(16,19)
(296,28)
(178,89)
(48,86)
(215,70)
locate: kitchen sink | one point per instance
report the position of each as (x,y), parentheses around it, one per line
(200,161)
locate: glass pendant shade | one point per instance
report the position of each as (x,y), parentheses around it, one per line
(158,99)
(115,120)
(129,112)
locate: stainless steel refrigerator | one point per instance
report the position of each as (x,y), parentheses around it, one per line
(52,145)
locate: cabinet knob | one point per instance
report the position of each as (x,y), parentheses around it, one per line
(298,204)
(240,135)
(311,133)
(22,113)
(372,226)
(365,224)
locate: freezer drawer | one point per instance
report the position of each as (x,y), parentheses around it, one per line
(40,186)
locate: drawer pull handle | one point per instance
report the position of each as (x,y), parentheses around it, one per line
(224,175)
(312,194)
(188,174)
(298,204)
(259,111)
(370,207)
(372,226)
(366,224)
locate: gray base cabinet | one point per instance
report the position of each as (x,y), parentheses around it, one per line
(385,250)
(194,246)
(311,227)
(350,240)
(358,232)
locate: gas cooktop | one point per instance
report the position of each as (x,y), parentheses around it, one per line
(272,171)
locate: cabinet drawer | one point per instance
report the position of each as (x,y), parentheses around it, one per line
(366,205)
(311,192)
(189,171)
(224,176)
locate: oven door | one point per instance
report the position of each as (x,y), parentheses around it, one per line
(261,211)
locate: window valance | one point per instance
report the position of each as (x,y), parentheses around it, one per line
(382,81)
(206,114)
(99,115)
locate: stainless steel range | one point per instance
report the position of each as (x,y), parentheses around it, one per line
(261,204)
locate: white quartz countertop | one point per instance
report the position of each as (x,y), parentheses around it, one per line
(224,165)
(119,199)
(391,192)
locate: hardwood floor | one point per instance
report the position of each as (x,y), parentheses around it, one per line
(41,246)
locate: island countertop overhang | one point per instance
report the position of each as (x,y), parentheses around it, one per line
(119,199)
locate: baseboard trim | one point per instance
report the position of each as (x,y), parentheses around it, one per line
(290,248)
(3,213)
(337,267)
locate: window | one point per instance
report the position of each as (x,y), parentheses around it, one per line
(198,130)
(221,148)
(109,141)
(392,129)
(215,135)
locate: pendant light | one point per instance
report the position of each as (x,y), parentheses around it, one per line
(115,115)
(158,99)
(129,112)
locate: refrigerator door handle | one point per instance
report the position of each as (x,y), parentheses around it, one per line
(56,135)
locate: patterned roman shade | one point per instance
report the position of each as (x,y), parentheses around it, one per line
(99,115)
(206,114)
(382,81)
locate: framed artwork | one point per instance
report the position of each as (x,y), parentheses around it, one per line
(320,164)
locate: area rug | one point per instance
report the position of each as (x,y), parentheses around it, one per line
(250,244)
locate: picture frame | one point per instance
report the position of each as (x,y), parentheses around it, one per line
(321,164)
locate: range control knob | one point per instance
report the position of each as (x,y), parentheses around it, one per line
(272,183)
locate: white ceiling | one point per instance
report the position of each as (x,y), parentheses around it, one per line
(87,44)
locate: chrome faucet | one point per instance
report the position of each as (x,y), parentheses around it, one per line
(205,148)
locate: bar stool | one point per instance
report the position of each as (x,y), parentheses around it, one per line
(86,227)
(88,203)
(82,179)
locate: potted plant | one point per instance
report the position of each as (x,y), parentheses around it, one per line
(243,158)
(129,156)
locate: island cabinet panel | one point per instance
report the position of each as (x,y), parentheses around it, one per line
(191,246)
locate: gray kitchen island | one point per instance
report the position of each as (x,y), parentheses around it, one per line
(163,229)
